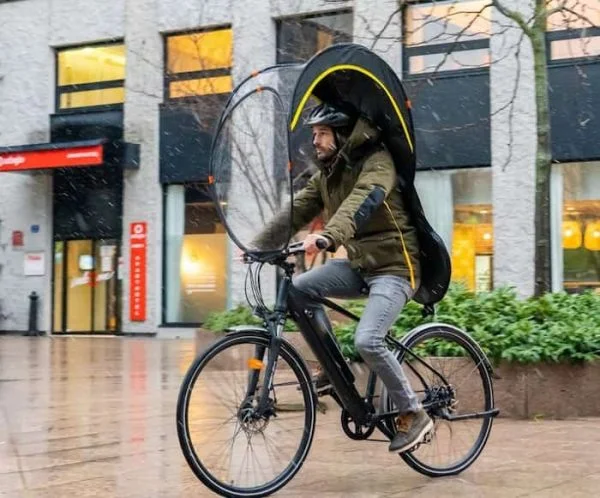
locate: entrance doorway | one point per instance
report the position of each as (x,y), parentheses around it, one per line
(86,286)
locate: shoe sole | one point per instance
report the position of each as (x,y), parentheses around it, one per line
(417,440)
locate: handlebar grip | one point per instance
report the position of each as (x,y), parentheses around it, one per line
(322,244)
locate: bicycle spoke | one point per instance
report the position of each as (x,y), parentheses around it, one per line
(235,445)
(458,384)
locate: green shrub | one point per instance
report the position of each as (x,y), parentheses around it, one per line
(554,328)
(240,315)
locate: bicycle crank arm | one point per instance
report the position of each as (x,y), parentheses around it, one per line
(467,416)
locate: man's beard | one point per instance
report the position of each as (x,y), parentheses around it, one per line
(326,154)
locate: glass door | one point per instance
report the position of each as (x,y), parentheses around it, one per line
(86,286)
(105,288)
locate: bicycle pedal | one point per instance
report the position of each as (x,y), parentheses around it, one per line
(321,407)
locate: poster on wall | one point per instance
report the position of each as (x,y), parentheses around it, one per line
(34,264)
(138,233)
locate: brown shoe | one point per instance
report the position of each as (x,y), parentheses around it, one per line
(411,429)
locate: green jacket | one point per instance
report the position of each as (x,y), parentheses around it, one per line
(362,208)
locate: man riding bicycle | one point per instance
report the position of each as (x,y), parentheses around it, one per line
(355,191)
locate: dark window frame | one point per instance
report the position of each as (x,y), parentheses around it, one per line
(169,77)
(60,90)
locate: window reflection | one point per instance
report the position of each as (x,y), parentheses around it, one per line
(446,22)
(581,226)
(91,64)
(91,76)
(196,256)
(576,14)
(458,204)
(200,51)
(588,46)
(462,59)
(199,63)
(446,36)
(298,39)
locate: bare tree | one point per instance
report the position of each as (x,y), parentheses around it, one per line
(532,28)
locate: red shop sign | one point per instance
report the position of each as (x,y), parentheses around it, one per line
(138,235)
(90,155)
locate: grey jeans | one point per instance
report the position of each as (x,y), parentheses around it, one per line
(387,296)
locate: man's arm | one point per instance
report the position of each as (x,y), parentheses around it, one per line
(307,205)
(375,182)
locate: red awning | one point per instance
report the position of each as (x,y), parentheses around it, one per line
(53,155)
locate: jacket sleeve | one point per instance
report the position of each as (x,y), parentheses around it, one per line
(307,205)
(376,180)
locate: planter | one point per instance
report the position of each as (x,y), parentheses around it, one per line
(548,390)
(544,390)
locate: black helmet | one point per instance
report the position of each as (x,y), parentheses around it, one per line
(327,115)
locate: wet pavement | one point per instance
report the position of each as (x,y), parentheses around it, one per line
(89,417)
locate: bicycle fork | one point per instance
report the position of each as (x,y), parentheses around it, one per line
(275,325)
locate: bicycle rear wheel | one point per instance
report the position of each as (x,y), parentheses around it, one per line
(230,450)
(451,380)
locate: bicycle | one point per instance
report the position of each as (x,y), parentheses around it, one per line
(274,390)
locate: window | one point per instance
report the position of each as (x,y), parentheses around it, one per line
(90,76)
(578,14)
(458,204)
(195,256)
(574,33)
(199,63)
(581,226)
(446,36)
(299,38)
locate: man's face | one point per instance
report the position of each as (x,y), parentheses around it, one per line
(323,141)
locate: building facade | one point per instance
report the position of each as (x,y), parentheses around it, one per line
(107,111)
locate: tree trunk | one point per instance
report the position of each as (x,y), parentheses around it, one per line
(543,276)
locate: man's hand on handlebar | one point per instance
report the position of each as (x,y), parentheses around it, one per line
(314,243)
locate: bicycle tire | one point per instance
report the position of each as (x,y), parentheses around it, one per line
(295,361)
(443,331)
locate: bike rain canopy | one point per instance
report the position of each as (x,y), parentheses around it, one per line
(250,177)
(357,81)
(262,152)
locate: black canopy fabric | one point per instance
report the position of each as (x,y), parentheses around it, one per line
(355,79)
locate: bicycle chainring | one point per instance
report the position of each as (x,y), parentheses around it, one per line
(353,430)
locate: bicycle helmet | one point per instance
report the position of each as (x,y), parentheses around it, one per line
(327,115)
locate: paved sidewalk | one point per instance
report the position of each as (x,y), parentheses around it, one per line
(83,417)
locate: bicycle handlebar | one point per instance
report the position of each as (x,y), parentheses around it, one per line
(291,250)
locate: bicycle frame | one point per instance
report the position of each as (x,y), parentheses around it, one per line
(326,350)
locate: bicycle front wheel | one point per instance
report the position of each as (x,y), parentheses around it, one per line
(230,450)
(451,379)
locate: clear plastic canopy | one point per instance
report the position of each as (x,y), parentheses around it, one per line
(249,173)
